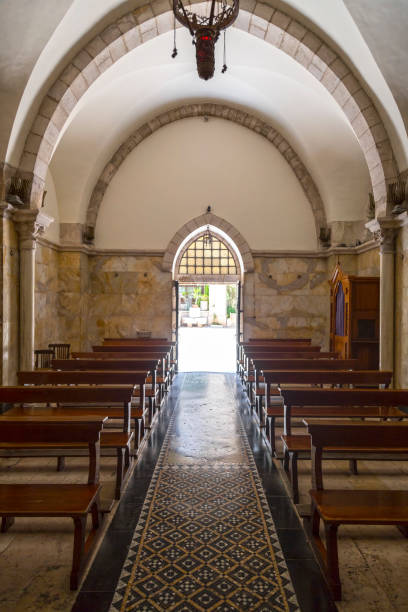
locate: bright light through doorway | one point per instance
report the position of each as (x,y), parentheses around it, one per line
(207,349)
(207,327)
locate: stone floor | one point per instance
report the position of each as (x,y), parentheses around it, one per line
(35,556)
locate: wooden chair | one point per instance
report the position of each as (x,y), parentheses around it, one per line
(337,507)
(43,358)
(61,351)
(74,501)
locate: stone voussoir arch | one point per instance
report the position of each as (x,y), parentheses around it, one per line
(259,19)
(218,223)
(212,110)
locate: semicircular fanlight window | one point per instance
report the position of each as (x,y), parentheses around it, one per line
(205,256)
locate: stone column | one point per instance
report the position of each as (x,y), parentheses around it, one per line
(387,298)
(29,224)
(386,229)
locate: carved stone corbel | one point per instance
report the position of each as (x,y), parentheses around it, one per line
(30,224)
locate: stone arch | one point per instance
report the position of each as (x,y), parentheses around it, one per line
(201,221)
(213,110)
(263,21)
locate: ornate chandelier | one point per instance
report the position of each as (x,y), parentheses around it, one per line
(205,30)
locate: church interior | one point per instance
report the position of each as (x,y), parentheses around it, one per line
(180,181)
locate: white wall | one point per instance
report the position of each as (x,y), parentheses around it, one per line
(173,175)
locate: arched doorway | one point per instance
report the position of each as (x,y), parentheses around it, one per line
(207,273)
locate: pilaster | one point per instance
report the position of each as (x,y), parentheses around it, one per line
(385,230)
(29,225)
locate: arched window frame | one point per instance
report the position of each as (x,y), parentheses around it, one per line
(205,278)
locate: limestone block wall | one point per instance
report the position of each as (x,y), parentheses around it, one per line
(73,299)
(127,294)
(83,297)
(368,263)
(288,297)
(46,296)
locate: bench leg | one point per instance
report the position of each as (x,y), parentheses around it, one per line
(333,575)
(119,471)
(272,435)
(6,523)
(60,464)
(404,530)
(79,548)
(353,466)
(293,477)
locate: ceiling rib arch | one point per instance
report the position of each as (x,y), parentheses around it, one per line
(220,111)
(265,22)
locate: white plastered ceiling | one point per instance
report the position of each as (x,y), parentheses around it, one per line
(261,80)
(331,20)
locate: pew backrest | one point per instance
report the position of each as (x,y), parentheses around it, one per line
(62,430)
(369,436)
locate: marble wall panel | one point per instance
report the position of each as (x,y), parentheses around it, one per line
(47,328)
(368,263)
(126,295)
(288,298)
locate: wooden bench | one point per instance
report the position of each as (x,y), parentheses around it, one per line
(251,375)
(139,340)
(163,377)
(74,501)
(278,378)
(23,398)
(337,507)
(333,403)
(136,365)
(297,364)
(130,346)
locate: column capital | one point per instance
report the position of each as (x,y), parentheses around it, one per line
(385,230)
(30,224)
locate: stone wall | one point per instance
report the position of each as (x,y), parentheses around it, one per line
(81,298)
(46,296)
(288,298)
(128,294)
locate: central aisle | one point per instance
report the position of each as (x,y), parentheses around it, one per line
(205,538)
(193,530)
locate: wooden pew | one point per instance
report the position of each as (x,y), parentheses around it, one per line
(77,397)
(339,378)
(130,345)
(107,341)
(333,403)
(164,360)
(279,341)
(297,364)
(337,507)
(74,501)
(100,377)
(279,347)
(251,374)
(137,365)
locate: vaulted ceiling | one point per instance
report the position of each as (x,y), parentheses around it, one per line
(40,37)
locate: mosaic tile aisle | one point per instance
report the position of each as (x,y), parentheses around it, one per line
(205,539)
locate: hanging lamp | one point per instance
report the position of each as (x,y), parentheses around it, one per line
(205,30)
